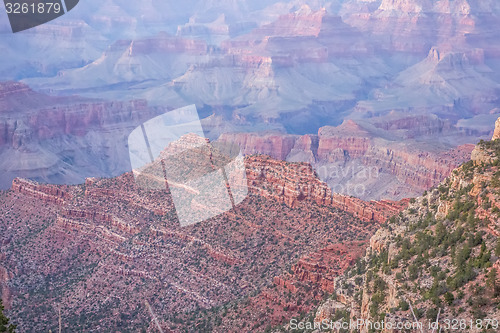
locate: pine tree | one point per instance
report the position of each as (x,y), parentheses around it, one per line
(491,281)
(4,321)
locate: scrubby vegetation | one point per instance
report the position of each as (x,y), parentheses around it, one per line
(4,321)
(441,254)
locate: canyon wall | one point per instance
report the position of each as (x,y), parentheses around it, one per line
(45,193)
(367,161)
(461,213)
(277,146)
(292,183)
(64,139)
(496,134)
(118,237)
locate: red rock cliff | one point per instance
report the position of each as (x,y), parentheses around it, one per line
(496,134)
(275,145)
(291,183)
(46,193)
(413,166)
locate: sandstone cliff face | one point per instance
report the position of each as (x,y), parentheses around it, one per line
(277,146)
(346,141)
(356,161)
(304,22)
(46,193)
(322,267)
(417,25)
(75,120)
(116,238)
(496,134)
(292,183)
(447,239)
(482,153)
(61,139)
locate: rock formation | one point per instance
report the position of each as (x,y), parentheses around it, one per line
(292,183)
(111,237)
(441,250)
(277,146)
(496,134)
(46,193)
(62,139)
(362,162)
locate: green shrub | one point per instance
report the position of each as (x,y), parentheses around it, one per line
(403,305)
(449,298)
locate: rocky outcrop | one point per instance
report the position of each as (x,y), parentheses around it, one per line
(360,161)
(282,282)
(292,183)
(348,139)
(496,134)
(480,155)
(46,193)
(461,213)
(305,149)
(321,267)
(275,145)
(49,138)
(373,210)
(379,241)
(327,310)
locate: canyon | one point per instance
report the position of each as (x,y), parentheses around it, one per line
(109,240)
(383,98)
(298,67)
(342,110)
(496,134)
(363,159)
(455,267)
(296,182)
(63,140)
